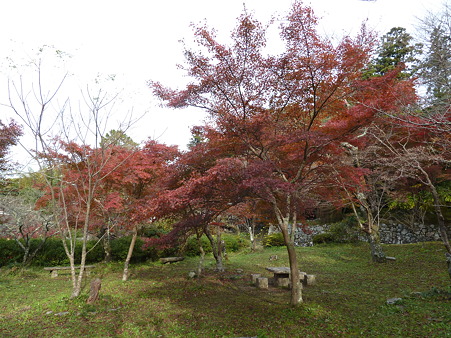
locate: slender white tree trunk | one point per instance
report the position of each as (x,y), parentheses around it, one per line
(129,255)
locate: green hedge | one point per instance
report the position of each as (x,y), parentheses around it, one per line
(10,252)
(52,253)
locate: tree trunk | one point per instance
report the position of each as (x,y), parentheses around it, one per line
(202,255)
(371,228)
(296,288)
(448,262)
(440,217)
(107,246)
(216,248)
(25,247)
(76,287)
(374,239)
(293,229)
(251,229)
(32,255)
(79,281)
(25,255)
(252,238)
(283,223)
(129,254)
(377,253)
(94,292)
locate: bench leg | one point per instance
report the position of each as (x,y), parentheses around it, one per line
(54,274)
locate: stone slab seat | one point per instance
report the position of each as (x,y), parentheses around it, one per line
(54,269)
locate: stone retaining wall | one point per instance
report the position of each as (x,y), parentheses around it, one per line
(304,236)
(391,233)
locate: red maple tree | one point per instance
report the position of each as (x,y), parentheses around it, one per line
(202,188)
(284,115)
(133,180)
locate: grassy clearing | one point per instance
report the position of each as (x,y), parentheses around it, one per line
(160,301)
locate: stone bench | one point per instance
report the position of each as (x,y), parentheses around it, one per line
(54,269)
(282,276)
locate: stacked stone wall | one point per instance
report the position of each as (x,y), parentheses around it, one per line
(393,233)
(304,236)
(390,232)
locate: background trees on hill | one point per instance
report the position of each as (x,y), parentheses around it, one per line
(20,221)
(284,116)
(9,136)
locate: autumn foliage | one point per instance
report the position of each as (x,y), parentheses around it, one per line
(9,135)
(288,130)
(284,116)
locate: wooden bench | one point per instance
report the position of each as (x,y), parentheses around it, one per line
(54,269)
(171,259)
(282,275)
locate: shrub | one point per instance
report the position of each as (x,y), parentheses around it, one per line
(10,252)
(275,239)
(95,254)
(192,246)
(235,243)
(120,246)
(51,254)
(345,231)
(323,238)
(152,231)
(232,242)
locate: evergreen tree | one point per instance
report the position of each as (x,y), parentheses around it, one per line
(436,70)
(396,49)
(117,138)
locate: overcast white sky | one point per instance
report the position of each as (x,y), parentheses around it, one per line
(139,40)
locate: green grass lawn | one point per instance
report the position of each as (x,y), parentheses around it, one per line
(349,298)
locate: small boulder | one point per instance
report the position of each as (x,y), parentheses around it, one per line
(393,301)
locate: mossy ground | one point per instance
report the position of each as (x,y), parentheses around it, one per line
(349,298)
